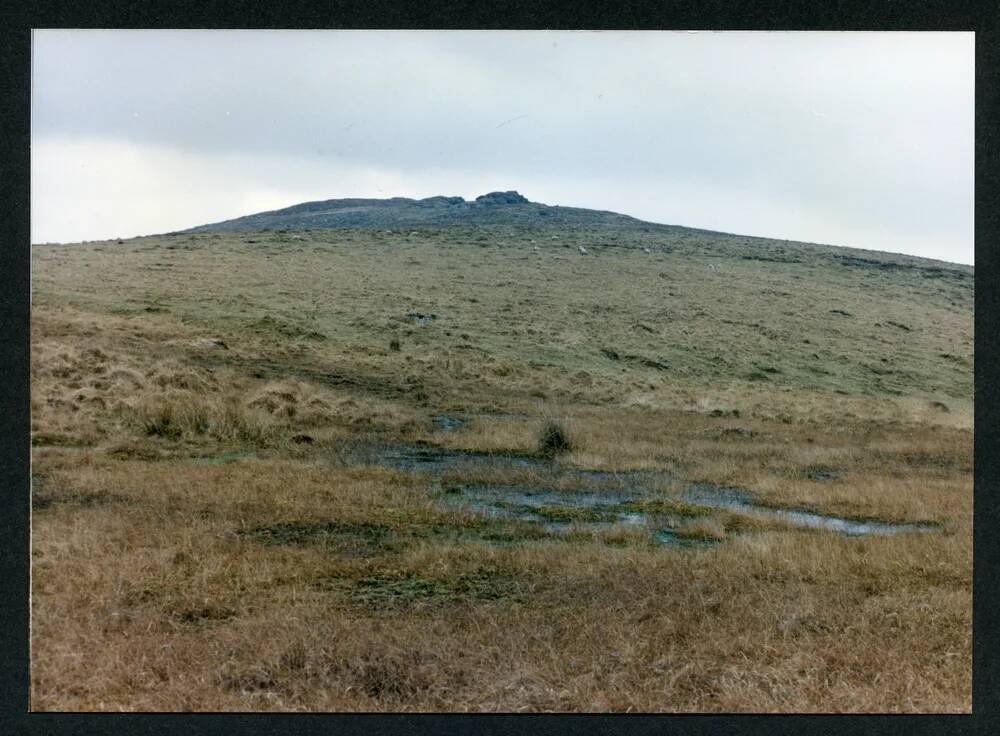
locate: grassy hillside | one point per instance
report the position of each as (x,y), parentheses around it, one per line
(205,537)
(527,307)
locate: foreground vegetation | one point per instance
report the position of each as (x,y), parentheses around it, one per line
(203,540)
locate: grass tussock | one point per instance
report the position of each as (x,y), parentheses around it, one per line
(708,528)
(553,439)
(175,416)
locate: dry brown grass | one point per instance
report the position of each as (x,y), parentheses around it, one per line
(190,551)
(767,622)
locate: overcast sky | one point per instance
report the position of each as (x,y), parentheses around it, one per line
(858,139)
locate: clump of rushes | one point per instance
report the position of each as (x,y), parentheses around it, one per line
(570,514)
(666,506)
(553,439)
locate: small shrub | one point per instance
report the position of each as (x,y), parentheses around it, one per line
(394,346)
(553,439)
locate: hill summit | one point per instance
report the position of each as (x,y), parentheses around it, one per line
(493,208)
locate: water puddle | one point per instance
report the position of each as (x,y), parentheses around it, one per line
(542,505)
(435,460)
(596,500)
(563,512)
(447,423)
(671,538)
(732,499)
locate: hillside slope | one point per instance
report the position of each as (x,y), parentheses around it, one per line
(495,208)
(235,436)
(524,307)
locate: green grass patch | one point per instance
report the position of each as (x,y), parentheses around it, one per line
(556,513)
(390,533)
(667,506)
(399,589)
(361,537)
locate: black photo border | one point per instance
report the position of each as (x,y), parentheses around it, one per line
(16,22)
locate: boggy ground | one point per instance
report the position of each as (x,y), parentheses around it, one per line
(204,538)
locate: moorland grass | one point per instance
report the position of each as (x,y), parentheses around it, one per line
(286,578)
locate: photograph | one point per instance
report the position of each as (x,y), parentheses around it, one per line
(481,371)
